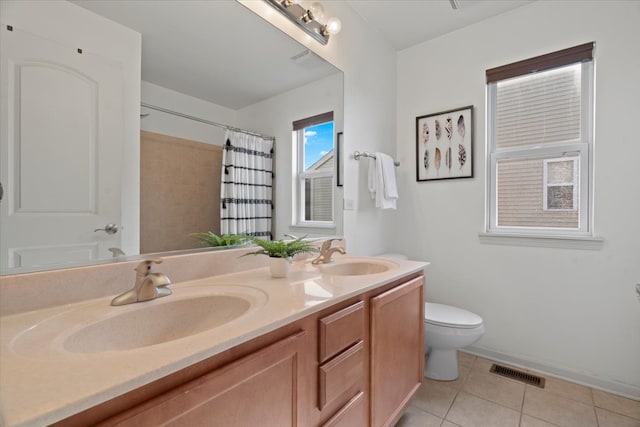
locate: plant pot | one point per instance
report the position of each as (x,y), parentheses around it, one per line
(279,266)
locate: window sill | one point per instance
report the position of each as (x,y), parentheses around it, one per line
(323,225)
(542,240)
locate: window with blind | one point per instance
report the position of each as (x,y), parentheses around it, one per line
(314,142)
(540,139)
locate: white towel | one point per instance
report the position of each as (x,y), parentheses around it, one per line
(382,181)
(388,176)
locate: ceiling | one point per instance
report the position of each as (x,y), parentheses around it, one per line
(219,51)
(408,22)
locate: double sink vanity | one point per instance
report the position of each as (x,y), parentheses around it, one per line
(338,344)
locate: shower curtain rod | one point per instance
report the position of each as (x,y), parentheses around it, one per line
(208,122)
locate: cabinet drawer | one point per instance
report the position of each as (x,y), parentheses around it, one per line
(337,375)
(340,330)
(350,415)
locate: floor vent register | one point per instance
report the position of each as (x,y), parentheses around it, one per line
(517,375)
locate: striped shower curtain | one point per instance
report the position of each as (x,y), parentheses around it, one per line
(247,178)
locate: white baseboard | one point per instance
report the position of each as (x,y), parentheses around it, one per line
(623,389)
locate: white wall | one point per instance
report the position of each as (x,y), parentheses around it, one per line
(180,127)
(275,116)
(272,117)
(572,312)
(72,25)
(369,65)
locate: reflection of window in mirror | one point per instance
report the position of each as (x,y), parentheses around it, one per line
(313,140)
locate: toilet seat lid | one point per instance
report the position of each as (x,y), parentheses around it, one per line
(445,315)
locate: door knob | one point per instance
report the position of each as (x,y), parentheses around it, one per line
(109,229)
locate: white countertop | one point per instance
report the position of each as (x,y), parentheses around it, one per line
(41,382)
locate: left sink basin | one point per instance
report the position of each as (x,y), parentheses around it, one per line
(157,324)
(98,328)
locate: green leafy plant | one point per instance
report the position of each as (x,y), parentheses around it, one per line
(282,249)
(211,239)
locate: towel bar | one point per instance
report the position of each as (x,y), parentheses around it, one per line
(358,154)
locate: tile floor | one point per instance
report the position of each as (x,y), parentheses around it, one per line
(481,399)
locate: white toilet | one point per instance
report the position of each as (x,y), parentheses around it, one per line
(447,329)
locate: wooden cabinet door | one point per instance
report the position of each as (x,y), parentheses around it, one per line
(257,390)
(397,349)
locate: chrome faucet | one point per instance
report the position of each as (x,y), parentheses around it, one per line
(148,285)
(326,251)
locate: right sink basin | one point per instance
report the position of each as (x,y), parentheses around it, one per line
(357,267)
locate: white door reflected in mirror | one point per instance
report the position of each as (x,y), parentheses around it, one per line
(64,130)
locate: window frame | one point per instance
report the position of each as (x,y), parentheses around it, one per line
(574,183)
(581,149)
(300,175)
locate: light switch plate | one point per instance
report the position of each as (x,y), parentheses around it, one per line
(348,204)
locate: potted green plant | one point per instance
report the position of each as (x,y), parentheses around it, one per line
(209,238)
(280,253)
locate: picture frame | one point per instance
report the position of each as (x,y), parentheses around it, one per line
(444,145)
(339,159)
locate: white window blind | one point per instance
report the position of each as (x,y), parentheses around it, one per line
(540,108)
(540,147)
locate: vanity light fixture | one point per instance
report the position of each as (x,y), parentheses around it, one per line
(307,17)
(309,20)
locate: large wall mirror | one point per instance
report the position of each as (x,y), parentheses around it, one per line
(204,64)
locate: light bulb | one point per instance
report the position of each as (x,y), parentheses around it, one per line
(317,10)
(333,26)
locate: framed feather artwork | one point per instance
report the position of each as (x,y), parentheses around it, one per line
(444,144)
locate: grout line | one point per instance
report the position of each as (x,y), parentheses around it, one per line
(615,412)
(522,413)
(451,405)
(593,398)
(595,414)
(615,388)
(543,420)
(593,402)
(490,401)
(526,390)
(417,408)
(524,396)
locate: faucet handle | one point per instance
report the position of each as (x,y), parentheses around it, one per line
(146,265)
